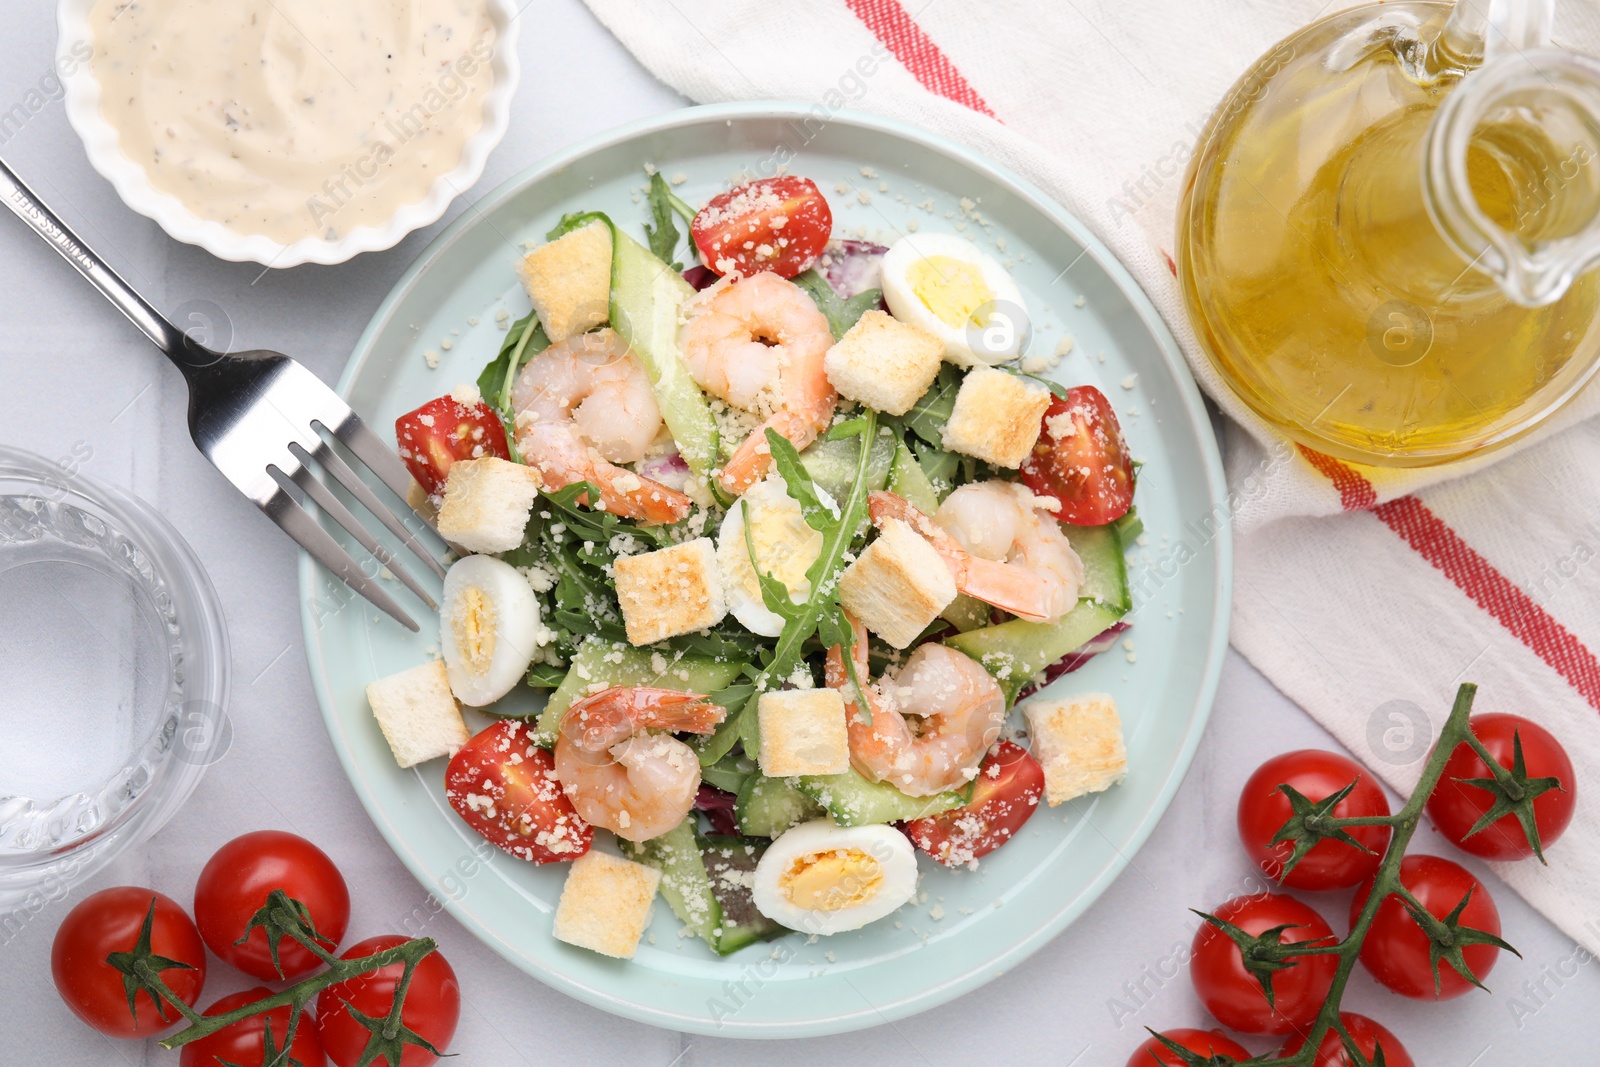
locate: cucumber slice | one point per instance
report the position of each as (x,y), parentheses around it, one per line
(1015,651)
(685,885)
(1130,526)
(854,801)
(907,480)
(729,861)
(766,807)
(1105,568)
(965,613)
(832,464)
(608,663)
(729,773)
(647,298)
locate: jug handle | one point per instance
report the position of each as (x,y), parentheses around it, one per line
(1485,29)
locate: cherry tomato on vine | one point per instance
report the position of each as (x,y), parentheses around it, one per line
(1005,795)
(504,787)
(442,431)
(1233,996)
(1455,807)
(773,224)
(244,1042)
(1200,1042)
(1316,775)
(1367,1035)
(234,885)
(1396,949)
(111,921)
(1081,459)
(431,1010)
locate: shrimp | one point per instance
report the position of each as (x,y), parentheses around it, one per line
(634,783)
(757,343)
(960,708)
(997,547)
(584,406)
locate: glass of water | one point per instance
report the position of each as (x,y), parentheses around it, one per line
(113,676)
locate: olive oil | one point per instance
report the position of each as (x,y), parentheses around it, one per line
(1318,280)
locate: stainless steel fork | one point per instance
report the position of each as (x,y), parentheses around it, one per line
(260,418)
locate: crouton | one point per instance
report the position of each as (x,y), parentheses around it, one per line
(569,281)
(486,503)
(605,904)
(898,585)
(1078,741)
(670,591)
(802,732)
(997,417)
(884,363)
(418,714)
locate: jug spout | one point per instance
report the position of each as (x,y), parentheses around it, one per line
(1511,170)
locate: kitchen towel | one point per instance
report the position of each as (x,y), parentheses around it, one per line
(1366,596)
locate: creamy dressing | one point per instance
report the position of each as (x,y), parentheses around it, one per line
(294,118)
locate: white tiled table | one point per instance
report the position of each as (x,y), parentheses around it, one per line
(75,379)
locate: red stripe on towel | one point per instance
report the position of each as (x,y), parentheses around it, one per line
(1433,539)
(1355,492)
(917,52)
(1475,576)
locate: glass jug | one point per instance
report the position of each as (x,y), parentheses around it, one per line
(1386,238)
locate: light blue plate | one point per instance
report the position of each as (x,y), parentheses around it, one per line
(879,176)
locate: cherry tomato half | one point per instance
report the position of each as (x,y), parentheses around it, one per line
(431,1011)
(1316,775)
(1456,807)
(505,787)
(1082,460)
(442,431)
(1200,1042)
(1233,996)
(244,1043)
(1368,1036)
(1396,949)
(1004,796)
(234,885)
(109,921)
(774,224)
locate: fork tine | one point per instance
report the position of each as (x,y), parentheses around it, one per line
(307,480)
(379,457)
(335,465)
(295,521)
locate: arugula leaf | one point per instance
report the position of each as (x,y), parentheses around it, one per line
(546,675)
(774,594)
(922,430)
(1057,390)
(798,480)
(840,533)
(663,236)
(724,642)
(525,338)
(598,527)
(575,220)
(928,416)
(840,313)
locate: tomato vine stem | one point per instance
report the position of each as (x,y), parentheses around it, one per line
(1386,881)
(288,917)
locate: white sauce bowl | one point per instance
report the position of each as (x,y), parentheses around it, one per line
(102,142)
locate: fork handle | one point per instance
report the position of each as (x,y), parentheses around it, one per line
(181,349)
